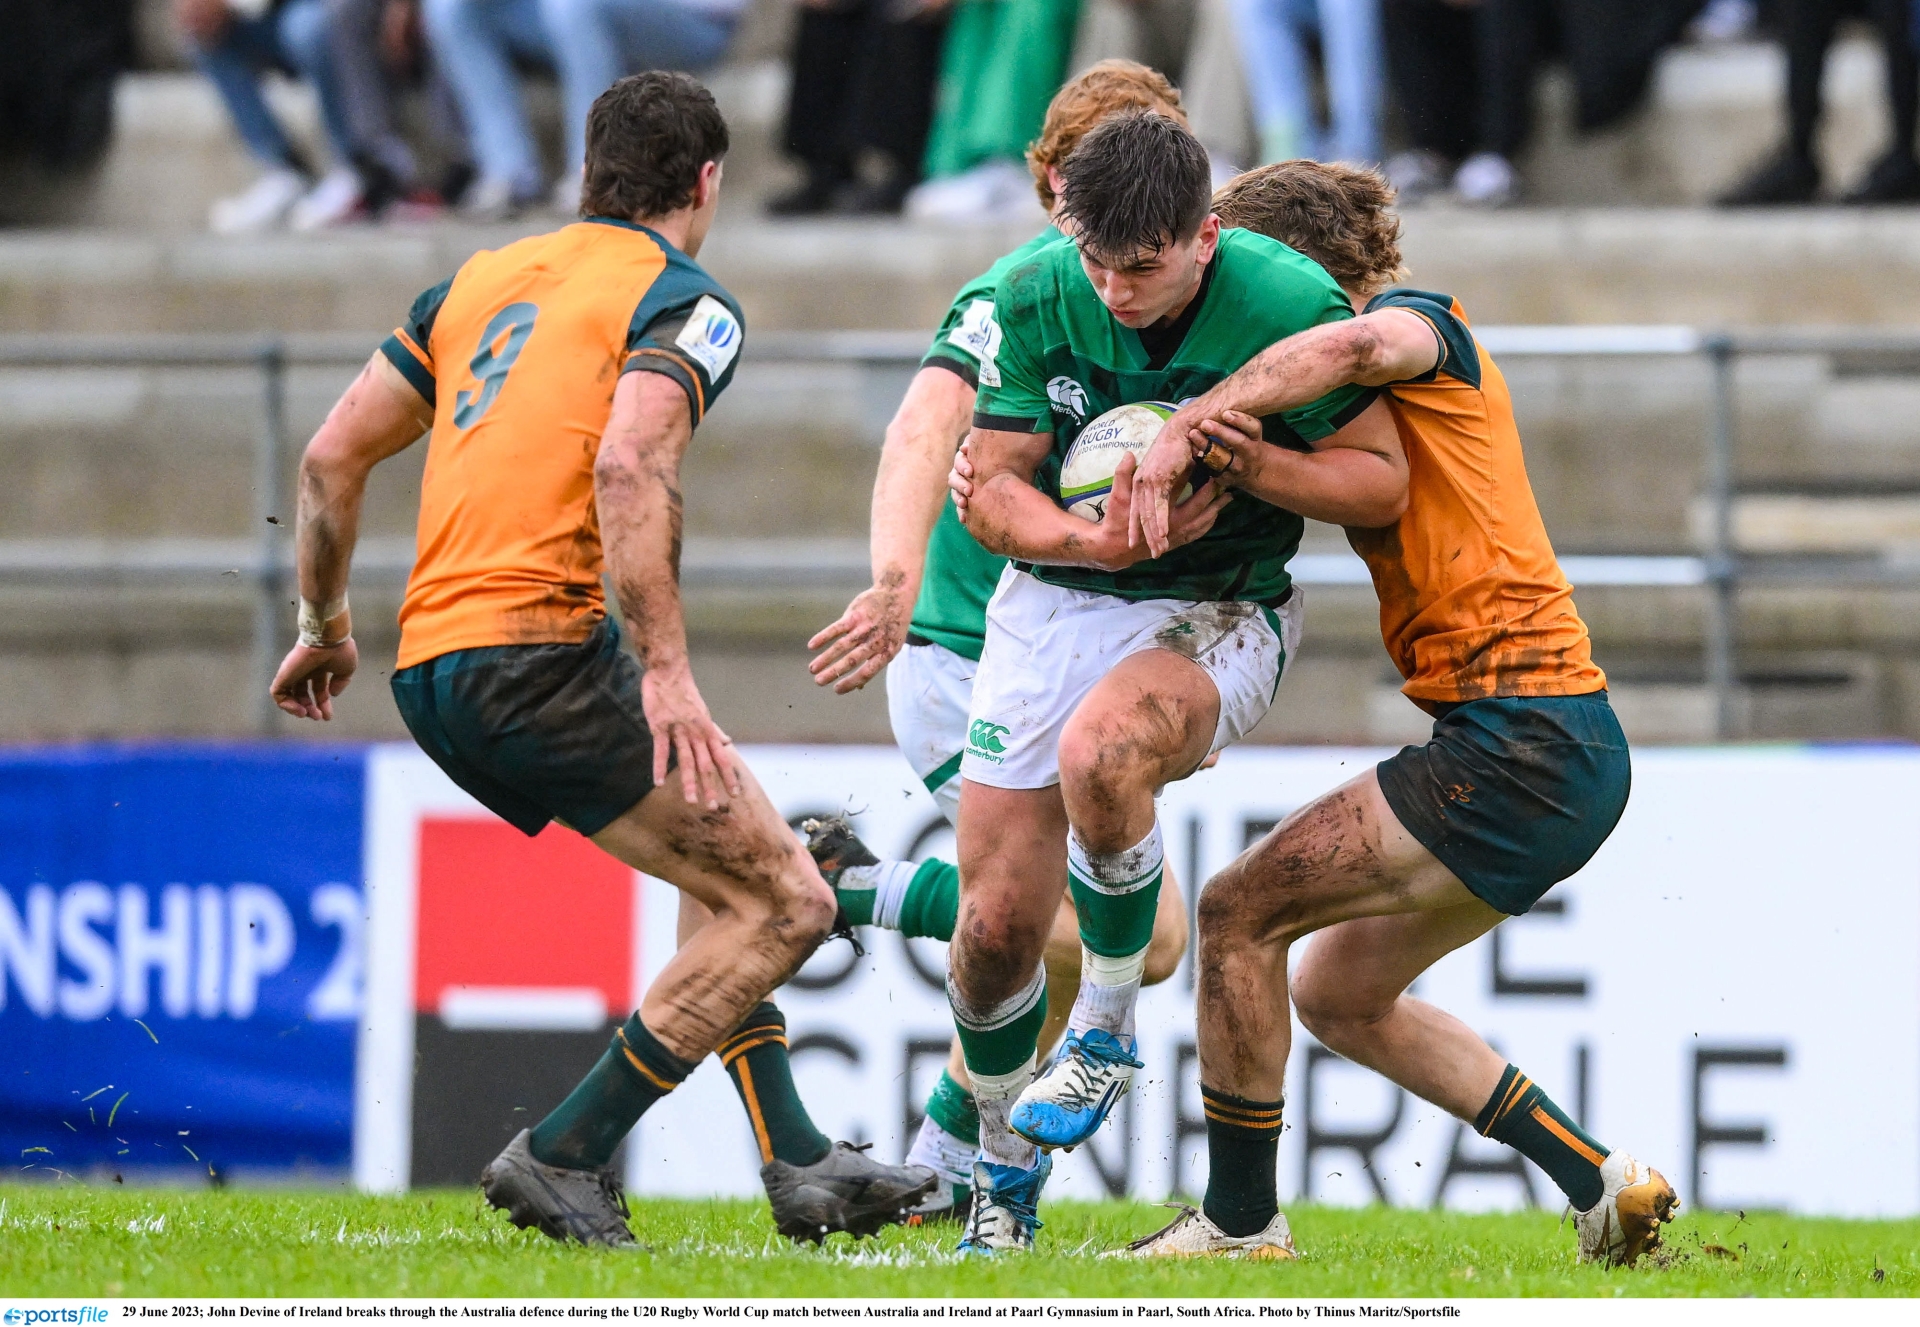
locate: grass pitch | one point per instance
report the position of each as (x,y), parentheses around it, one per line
(80,1241)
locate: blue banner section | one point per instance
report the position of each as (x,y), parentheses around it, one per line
(180,956)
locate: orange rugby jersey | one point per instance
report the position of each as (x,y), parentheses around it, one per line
(1472,600)
(519,353)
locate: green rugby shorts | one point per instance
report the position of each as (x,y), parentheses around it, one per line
(536,732)
(1514,794)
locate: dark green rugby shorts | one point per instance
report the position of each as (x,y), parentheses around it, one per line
(536,732)
(1514,794)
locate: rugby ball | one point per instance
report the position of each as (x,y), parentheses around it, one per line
(1086,476)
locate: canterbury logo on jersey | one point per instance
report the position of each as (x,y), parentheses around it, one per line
(1068,397)
(983,739)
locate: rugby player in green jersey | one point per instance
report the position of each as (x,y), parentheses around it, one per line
(1107,674)
(925,619)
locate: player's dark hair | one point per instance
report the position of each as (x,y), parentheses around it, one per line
(1135,184)
(647,138)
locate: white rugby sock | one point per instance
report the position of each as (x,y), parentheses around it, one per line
(994,1095)
(1109,990)
(888,881)
(939,1151)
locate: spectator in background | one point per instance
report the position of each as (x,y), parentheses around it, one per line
(1791,175)
(589,43)
(1274,37)
(1004,60)
(235,42)
(861,102)
(1431,56)
(377,48)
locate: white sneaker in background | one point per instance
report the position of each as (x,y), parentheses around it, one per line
(1725,21)
(1416,174)
(1486,179)
(261,207)
(999,190)
(489,199)
(331,202)
(565,198)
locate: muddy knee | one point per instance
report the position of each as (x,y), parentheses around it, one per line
(798,908)
(1098,767)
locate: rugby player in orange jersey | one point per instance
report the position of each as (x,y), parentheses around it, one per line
(560,379)
(1526,775)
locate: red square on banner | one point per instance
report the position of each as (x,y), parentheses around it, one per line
(500,910)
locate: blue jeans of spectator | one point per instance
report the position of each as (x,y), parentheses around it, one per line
(1273,43)
(292,39)
(589,43)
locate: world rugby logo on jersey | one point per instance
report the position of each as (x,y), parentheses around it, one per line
(712,336)
(1068,398)
(976,332)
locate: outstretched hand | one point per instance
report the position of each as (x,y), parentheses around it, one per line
(311,676)
(683,727)
(855,646)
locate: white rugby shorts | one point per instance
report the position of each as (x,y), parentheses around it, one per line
(929,694)
(1047,647)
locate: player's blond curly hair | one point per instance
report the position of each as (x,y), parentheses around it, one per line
(1342,217)
(1086,100)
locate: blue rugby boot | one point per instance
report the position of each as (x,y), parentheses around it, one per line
(1065,1105)
(1005,1212)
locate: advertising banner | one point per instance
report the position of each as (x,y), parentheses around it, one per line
(1730,990)
(1747,942)
(180,945)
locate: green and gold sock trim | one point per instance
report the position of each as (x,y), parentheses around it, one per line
(1526,1119)
(1243,1158)
(755,1058)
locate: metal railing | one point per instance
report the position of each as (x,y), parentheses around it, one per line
(264,561)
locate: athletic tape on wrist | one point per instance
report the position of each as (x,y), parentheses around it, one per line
(315,619)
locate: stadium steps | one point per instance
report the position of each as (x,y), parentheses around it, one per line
(1711,112)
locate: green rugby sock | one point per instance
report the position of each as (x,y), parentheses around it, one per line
(920,899)
(952,1108)
(756,1060)
(583,1131)
(1523,1117)
(998,1041)
(1116,894)
(1243,1154)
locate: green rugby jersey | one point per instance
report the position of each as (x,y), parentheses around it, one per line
(1063,360)
(960,575)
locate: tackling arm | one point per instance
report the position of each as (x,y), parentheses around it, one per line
(1354,477)
(379,416)
(907,494)
(1372,350)
(636,485)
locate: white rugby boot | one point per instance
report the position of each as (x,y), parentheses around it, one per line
(1005,1211)
(1635,1201)
(1191,1235)
(1065,1105)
